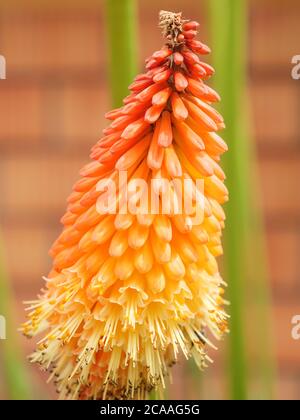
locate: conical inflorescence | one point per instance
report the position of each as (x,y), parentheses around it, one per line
(135,281)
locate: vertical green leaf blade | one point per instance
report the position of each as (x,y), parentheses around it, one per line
(121,25)
(244,235)
(15,376)
(229,35)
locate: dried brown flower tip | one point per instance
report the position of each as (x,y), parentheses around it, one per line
(171,24)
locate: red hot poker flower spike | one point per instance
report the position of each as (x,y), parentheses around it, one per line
(130,291)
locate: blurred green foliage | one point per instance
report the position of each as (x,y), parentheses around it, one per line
(121,22)
(244,259)
(15,375)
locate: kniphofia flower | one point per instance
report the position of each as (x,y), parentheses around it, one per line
(128,293)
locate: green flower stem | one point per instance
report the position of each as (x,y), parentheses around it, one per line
(247,285)
(229,38)
(14,374)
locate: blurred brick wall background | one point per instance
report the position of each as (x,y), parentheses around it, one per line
(51,113)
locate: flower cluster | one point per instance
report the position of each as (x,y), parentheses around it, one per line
(128,293)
